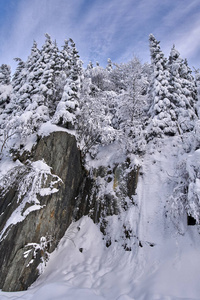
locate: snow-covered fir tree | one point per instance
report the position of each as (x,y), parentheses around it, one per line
(5,74)
(162,111)
(5,85)
(67,109)
(51,65)
(90,65)
(183,90)
(34,69)
(65,57)
(18,81)
(109,65)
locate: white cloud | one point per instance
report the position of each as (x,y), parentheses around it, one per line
(189,42)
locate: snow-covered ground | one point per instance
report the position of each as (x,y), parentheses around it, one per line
(163,264)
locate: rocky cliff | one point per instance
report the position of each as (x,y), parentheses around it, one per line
(25,245)
(43,193)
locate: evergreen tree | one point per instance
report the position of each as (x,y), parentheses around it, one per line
(5,74)
(109,66)
(5,85)
(67,109)
(197,83)
(65,58)
(26,80)
(189,85)
(34,68)
(183,91)
(19,82)
(19,76)
(51,66)
(75,64)
(90,65)
(164,117)
(31,81)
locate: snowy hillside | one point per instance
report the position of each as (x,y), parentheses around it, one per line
(163,264)
(99,178)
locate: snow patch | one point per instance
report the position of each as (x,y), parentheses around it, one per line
(47,128)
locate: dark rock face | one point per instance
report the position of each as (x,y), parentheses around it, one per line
(110,196)
(132,181)
(24,245)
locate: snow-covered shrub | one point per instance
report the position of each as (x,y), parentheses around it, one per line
(41,248)
(185,198)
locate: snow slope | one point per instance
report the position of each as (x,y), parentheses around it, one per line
(163,264)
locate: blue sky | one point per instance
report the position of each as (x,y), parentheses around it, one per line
(101,29)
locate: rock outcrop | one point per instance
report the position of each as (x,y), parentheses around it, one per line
(41,196)
(107,191)
(25,245)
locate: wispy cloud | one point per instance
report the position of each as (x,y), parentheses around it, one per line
(103,28)
(189,42)
(33,19)
(180,25)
